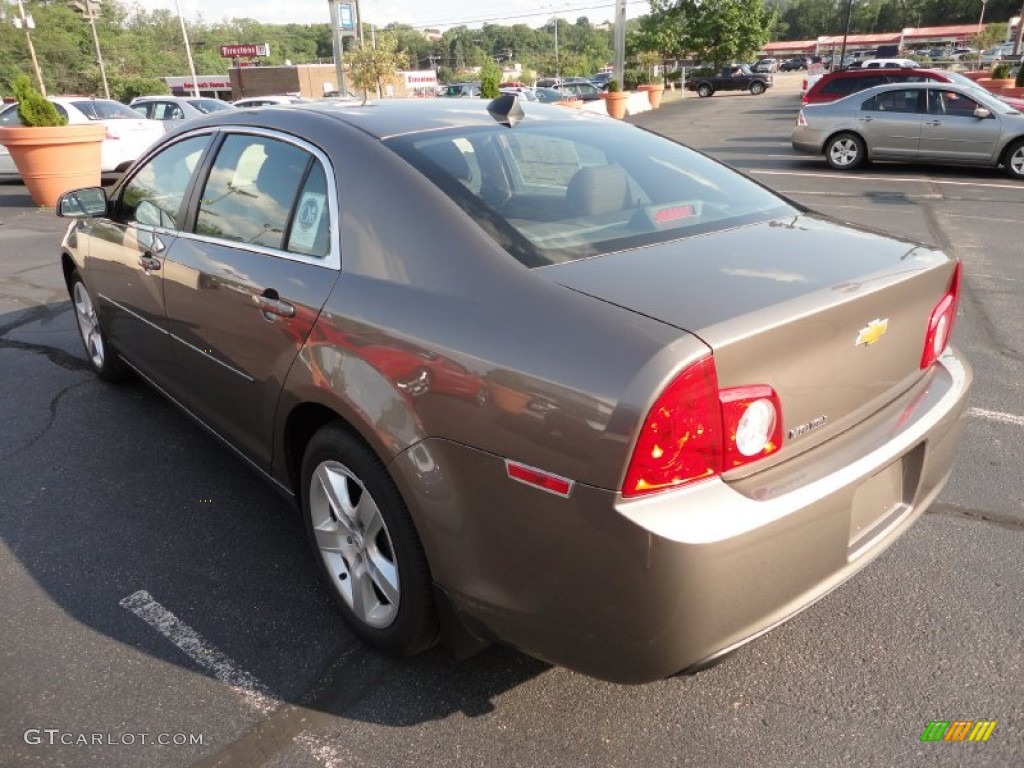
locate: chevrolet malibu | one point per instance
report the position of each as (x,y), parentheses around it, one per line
(531,376)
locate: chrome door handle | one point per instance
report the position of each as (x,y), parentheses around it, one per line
(148,263)
(934,122)
(865,119)
(271,306)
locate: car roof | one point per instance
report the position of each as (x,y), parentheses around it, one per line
(866,93)
(389,117)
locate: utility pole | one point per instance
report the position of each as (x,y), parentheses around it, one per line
(1020,35)
(849,17)
(619,43)
(27,23)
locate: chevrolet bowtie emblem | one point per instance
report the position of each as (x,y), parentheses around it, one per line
(872,332)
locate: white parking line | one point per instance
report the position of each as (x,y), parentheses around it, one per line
(193,645)
(251,690)
(1002,418)
(886,179)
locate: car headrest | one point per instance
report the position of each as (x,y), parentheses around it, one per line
(597,190)
(451,159)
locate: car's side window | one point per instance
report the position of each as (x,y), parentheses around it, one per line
(942,102)
(310,231)
(164,110)
(251,191)
(893,101)
(142,109)
(155,192)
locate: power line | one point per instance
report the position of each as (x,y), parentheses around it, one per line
(544,13)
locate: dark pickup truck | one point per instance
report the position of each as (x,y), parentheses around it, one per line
(735,78)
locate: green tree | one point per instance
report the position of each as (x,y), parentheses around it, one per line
(490,77)
(716,30)
(127,88)
(374,67)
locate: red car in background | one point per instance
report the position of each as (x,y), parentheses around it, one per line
(836,85)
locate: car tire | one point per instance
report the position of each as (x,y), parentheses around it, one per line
(102,357)
(366,544)
(756,89)
(704,90)
(1013,160)
(845,151)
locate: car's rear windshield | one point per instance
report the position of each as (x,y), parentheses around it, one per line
(556,191)
(207,106)
(101,109)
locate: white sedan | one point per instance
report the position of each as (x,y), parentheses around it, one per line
(128,135)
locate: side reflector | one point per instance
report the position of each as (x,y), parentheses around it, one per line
(560,486)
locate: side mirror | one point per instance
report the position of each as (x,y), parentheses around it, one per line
(83,203)
(981,113)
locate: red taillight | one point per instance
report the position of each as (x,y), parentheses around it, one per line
(940,323)
(695,431)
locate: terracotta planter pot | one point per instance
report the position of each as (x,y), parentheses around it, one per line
(975,74)
(615,103)
(998,86)
(654,93)
(1016,92)
(52,161)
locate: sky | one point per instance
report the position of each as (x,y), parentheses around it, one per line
(439,13)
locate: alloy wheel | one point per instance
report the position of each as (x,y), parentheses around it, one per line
(844,152)
(355,544)
(88,325)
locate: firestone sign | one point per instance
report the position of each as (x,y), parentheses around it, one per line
(235,51)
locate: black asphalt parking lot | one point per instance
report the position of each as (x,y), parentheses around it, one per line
(155,590)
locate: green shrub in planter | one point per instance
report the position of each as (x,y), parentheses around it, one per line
(1019,82)
(613,86)
(34,109)
(1001,71)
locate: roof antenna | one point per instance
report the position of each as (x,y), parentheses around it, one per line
(506,110)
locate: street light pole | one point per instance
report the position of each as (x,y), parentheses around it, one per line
(981,18)
(88,8)
(188,52)
(26,25)
(558,63)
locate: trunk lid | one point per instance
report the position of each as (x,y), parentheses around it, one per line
(832,317)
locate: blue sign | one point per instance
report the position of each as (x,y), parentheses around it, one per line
(345,17)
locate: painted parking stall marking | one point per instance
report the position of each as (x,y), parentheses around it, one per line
(193,645)
(1002,418)
(254,693)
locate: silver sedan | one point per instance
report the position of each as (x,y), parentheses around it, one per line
(915,122)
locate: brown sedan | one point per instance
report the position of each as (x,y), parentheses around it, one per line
(532,376)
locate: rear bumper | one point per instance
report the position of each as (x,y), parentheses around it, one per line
(634,591)
(805,140)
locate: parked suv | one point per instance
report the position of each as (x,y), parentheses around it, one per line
(769,65)
(836,85)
